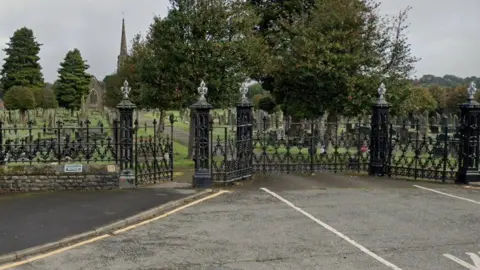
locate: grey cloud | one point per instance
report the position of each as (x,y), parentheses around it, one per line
(94,27)
(442,33)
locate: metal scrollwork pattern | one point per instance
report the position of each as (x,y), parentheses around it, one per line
(154,151)
(311,146)
(416,154)
(61,142)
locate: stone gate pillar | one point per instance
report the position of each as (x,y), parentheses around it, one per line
(244,142)
(202,177)
(379,134)
(126,129)
(468,167)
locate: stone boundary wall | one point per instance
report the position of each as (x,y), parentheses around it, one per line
(29,178)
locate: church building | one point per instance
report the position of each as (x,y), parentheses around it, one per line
(97,88)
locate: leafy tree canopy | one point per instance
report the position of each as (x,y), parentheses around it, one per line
(255,89)
(418,100)
(446,81)
(212,41)
(333,56)
(20,98)
(47,99)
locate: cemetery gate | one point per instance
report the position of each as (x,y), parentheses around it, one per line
(379,145)
(143,149)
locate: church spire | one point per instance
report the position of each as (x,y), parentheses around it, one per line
(123,47)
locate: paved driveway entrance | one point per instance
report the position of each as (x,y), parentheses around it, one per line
(337,223)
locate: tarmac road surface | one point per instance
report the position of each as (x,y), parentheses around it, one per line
(294,222)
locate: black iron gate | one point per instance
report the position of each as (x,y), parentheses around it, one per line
(145,150)
(311,146)
(153,152)
(378,147)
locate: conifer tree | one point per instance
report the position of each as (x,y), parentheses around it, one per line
(21,66)
(73,80)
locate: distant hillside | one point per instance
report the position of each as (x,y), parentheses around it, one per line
(448,81)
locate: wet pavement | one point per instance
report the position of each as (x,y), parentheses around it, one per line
(297,222)
(28,220)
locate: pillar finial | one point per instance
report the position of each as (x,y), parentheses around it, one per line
(472,90)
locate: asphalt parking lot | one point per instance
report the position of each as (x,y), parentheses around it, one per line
(292,222)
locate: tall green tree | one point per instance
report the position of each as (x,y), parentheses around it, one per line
(129,71)
(210,40)
(332,58)
(440,95)
(418,100)
(113,94)
(73,80)
(21,66)
(47,99)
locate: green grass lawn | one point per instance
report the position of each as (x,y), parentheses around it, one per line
(180,153)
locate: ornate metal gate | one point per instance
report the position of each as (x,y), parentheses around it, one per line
(145,150)
(153,151)
(315,146)
(311,146)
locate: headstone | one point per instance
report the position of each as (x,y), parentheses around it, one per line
(412,120)
(455,121)
(423,123)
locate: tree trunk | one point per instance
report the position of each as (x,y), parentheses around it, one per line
(161,122)
(295,127)
(191,134)
(331,127)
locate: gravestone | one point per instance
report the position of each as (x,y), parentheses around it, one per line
(423,124)
(412,120)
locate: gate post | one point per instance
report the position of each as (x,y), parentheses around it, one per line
(126,129)
(469,140)
(244,143)
(379,134)
(202,177)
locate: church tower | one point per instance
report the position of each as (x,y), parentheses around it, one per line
(123,47)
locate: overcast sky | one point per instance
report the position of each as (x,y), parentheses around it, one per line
(445,34)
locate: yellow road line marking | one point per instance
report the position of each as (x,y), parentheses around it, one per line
(89,241)
(170,212)
(41,256)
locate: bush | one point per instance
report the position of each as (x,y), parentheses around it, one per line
(254,89)
(267,104)
(418,101)
(255,100)
(48,99)
(20,98)
(37,94)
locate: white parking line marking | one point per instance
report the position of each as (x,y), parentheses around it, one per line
(446,194)
(475,258)
(331,229)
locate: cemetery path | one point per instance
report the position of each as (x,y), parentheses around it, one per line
(180,135)
(32,219)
